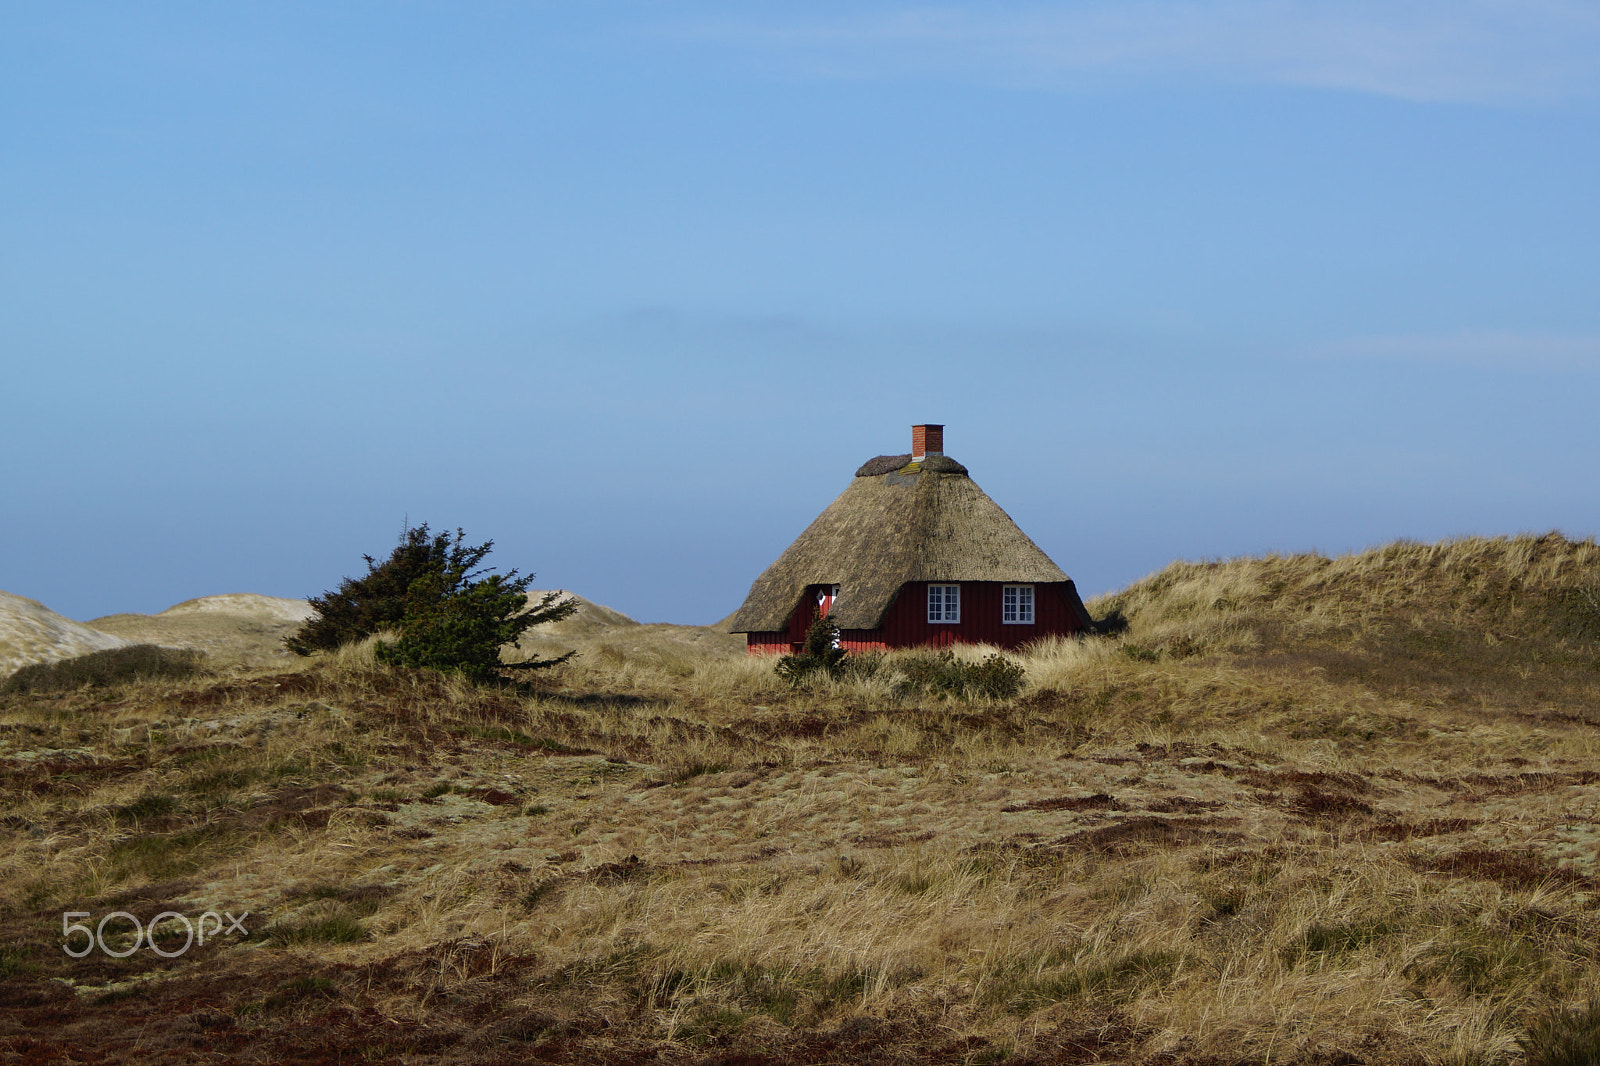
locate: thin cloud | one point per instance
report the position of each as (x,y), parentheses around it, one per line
(1546,351)
(1432,50)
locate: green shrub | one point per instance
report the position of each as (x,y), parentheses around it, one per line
(822,654)
(941,673)
(449,616)
(363,606)
(101,669)
(462,629)
(996,677)
(931,672)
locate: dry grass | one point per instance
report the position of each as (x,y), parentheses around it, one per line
(1300,810)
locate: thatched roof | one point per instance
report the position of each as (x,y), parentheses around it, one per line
(885,464)
(897,522)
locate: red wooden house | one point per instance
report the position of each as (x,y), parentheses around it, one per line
(913,552)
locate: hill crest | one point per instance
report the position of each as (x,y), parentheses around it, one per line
(30,632)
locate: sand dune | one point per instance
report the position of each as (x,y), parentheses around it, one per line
(597,630)
(30,632)
(590,618)
(273,608)
(236,628)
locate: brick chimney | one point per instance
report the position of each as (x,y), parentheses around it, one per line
(926,440)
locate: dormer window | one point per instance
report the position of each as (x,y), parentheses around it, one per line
(1016,605)
(944,603)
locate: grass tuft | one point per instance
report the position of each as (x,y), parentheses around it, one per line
(1568,1037)
(330,929)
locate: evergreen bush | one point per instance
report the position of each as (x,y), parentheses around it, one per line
(377,601)
(822,654)
(932,672)
(995,677)
(448,615)
(460,626)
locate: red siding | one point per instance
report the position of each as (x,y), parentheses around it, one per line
(906,624)
(767,643)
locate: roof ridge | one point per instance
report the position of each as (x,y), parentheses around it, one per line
(890,464)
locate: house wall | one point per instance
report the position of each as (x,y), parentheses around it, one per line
(906,624)
(767,643)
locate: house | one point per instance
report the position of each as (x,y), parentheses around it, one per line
(912,553)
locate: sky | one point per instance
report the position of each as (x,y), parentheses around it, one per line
(632,289)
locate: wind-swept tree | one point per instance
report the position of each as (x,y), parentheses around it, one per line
(448,614)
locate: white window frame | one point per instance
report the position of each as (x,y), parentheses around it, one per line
(948,605)
(1016,605)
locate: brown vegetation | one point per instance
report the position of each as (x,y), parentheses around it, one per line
(1301,810)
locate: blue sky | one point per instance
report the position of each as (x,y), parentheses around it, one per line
(632,289)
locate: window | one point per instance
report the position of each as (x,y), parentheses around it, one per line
(1016,605)
(944,603)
